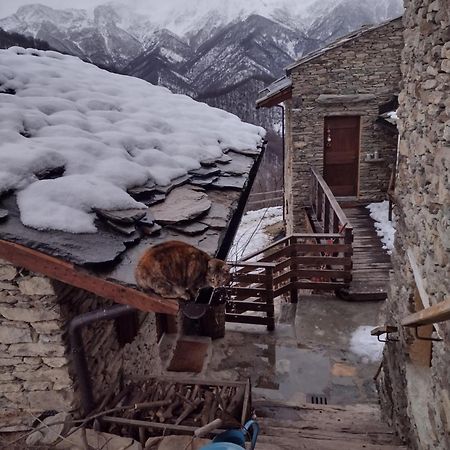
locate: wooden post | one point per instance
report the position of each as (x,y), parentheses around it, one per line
(269,299)
(319,203)
(348,239)
(293,268)
(336,223)
(326,219)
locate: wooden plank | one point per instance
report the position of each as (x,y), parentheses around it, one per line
(418,279)
(68,273)
(240,318)
(250,306)
(308,274)
(326,286)
(253,292)
(249,278)
(431,315)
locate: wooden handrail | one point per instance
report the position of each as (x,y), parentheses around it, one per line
(431,315)
(333,202)
(288,238)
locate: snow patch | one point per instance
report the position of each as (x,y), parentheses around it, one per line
(251,235)
(363,344)
(110,133)
(384,227)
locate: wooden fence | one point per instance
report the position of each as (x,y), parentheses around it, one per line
(321,261)
(259,200)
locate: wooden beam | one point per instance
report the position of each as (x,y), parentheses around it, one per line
(68,273)
(434,314)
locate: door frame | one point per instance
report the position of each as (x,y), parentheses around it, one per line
(359,115)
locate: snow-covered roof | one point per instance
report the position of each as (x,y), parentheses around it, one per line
(93,162)
(273,90)
(347,38)
(108,133)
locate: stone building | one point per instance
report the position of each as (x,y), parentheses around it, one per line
(415,379)
(64,343)
(334,102)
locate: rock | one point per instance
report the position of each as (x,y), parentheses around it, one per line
(98,440)
(7,273)
(182,205)
(127,230)
(205,172)
(36,286)
(55,362)
(203,181)
(9,334)
(28,314)
(10,361)
(37,349)
(124,216)
(151,230)
(148,220)
(230,183)
(3,215)
(191,229)
(48,326)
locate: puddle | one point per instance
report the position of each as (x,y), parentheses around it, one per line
(296,371)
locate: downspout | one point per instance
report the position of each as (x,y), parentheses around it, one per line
(283,137)
(76,326)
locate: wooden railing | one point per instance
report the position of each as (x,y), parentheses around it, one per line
(327,210)
(428,316)
(260,200)
(321,262)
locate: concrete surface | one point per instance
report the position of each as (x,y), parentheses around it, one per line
(308,353)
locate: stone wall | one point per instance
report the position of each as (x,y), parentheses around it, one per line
(34,366)
(416,397)
(368,65)
(36,372)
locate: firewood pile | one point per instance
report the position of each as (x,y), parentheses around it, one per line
(157,406)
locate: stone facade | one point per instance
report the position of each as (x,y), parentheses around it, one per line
(416,394)
(367,66)
(36,372)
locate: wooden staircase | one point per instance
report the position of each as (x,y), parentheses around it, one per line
(323,427)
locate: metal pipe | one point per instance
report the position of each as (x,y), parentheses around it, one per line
(77,348)
(283,137)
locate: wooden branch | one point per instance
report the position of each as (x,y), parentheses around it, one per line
(68,273)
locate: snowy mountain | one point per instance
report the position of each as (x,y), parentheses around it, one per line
(220,51)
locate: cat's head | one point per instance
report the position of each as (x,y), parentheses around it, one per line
(218,273)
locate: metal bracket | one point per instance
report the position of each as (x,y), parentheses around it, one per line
(388,339)
(387,330)
(423,338)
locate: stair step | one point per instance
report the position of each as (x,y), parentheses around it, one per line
(323,427)
(298,443)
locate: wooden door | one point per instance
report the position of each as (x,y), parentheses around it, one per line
(341,154)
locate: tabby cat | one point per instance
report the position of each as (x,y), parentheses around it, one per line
(178,270)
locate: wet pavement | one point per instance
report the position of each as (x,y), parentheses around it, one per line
(310,354)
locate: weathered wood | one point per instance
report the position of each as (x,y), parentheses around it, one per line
(240,318)
(269,299)
(431,315)
(68,273)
